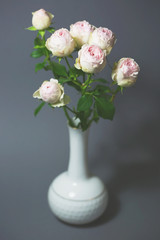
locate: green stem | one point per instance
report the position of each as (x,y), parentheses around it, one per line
(86,84)
(76,80)
(77,83)
(114,94)
(70,110)
(70,122)
(67,63)
(50,63)
(83,77)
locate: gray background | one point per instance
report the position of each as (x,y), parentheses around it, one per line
(124,153)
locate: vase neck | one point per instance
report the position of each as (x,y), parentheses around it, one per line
(78,159)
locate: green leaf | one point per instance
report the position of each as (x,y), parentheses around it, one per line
(47,68)
(39,66)
(113,83)
(37,53)
(100,80)
(84,103)
(84,121)
(31,28)
(37,46)
(87,113)
(74,72)
(59,69)
(38,41)
(101,89)
(42,33)
(50,29)
(38,108)
(95,116)
(78,88)
(64,80)
(105,108)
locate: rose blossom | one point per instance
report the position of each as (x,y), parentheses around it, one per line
(91,59)
(125,72)
(52,92)
(41,19)
(104,38)
(60,43)
(80,31)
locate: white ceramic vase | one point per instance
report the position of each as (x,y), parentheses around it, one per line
(76,196)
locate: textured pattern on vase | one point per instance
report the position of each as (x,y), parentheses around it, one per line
(77,212)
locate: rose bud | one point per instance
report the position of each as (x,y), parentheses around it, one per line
(52,92)
(80,32)
(61,44)
(41,19)
(125,72)
(91,59)
(104,38)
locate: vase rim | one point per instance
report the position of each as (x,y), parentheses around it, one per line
(76,128)
(76,121)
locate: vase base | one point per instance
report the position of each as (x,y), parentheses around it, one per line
(77,211)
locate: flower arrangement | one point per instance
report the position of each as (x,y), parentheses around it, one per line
(93,46)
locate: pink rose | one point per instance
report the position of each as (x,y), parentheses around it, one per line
(52,92)
(104,38)
(80,31)
(125,72)
(60,43)
(41,19)
(91,59)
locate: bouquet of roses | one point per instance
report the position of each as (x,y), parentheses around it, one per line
(93,46)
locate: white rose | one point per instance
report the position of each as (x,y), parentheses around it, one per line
(91,59)
(125,72)
(41,19)
(52,92)
(104,38)
(61,44)
(80,31)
